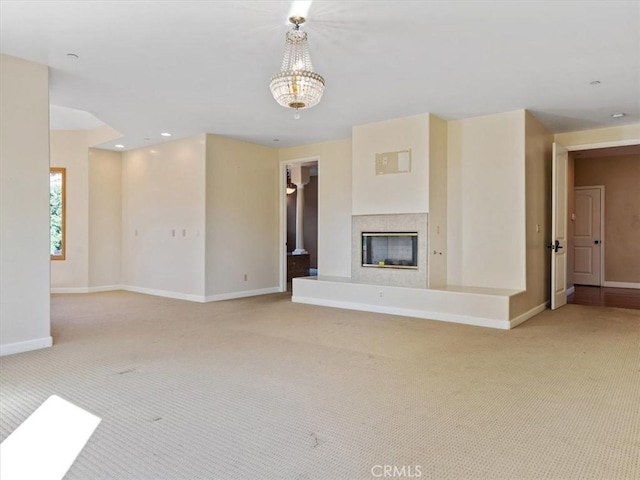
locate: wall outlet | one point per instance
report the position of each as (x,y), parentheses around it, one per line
(245,277)
(173,232)
(184,232)
(381,294)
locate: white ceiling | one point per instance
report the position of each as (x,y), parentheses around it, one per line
(63,118)
(188,67)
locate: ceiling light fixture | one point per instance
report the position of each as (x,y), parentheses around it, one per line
(595,82)
(119,146)
(297,86)
(72,55)
(618,115)
(165,134)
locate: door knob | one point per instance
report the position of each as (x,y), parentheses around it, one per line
(555,246)
(597,242)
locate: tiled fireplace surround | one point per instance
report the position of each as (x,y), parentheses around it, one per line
(412,222)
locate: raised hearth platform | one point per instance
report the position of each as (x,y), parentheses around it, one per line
(483,307)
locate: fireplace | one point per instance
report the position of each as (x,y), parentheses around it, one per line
(390,250)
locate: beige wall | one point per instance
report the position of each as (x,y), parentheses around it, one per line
(105,217)
(621,179)
(69,150)
(599,135)
(391,193)
(334,202)
(24,206)
(163,218)
(486,201)
(437,263)
(242,212)
(538,143)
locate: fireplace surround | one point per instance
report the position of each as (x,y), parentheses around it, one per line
(406,231)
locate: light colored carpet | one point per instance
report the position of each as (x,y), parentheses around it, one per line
(261,388)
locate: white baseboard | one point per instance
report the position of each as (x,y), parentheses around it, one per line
(527,315)
(27,346)
(444,317)
(621,284)
(70,290)
(167,293)
(571,290)
(247,293)
(104,288)
(164,293)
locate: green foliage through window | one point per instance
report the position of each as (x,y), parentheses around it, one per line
(56,210)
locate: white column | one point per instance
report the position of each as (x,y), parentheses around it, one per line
(299,176)
(299,220)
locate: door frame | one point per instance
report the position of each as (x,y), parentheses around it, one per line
(593,146)
(282,195)
(602,220)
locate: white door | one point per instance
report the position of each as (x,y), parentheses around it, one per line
(587,239)
(558,227)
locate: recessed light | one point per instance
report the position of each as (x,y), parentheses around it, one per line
(276,139)
(119,146)
(72,55)
(165,134)
(618,115)
(595,82)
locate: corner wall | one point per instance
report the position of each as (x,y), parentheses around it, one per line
(438,210)
(241,218)
(538,143)
(24,206)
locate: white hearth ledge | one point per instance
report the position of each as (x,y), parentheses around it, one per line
(483,307)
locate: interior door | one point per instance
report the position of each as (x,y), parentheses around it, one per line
(587,240)
(559,227)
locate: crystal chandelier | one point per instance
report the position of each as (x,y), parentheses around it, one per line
(297,86)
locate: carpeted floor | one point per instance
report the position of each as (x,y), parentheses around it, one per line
(261,388)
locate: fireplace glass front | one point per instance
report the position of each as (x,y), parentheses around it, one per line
(390,250)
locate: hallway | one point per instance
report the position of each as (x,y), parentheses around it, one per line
(605,297)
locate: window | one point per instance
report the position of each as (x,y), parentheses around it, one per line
(57,187)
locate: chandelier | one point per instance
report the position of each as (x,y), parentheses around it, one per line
(297,86)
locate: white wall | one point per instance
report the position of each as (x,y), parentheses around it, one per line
(334,202)
(69,150)
(486,201)
(24,206)
(163,194)
(241,217)
(105,217)
(391,193)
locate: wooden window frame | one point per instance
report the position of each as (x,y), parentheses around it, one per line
(63,208)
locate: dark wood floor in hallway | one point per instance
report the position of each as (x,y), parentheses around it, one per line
(606,297)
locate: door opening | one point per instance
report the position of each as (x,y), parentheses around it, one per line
(299,220)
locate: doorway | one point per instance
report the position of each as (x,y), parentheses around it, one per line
(299,220)
(614,170)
